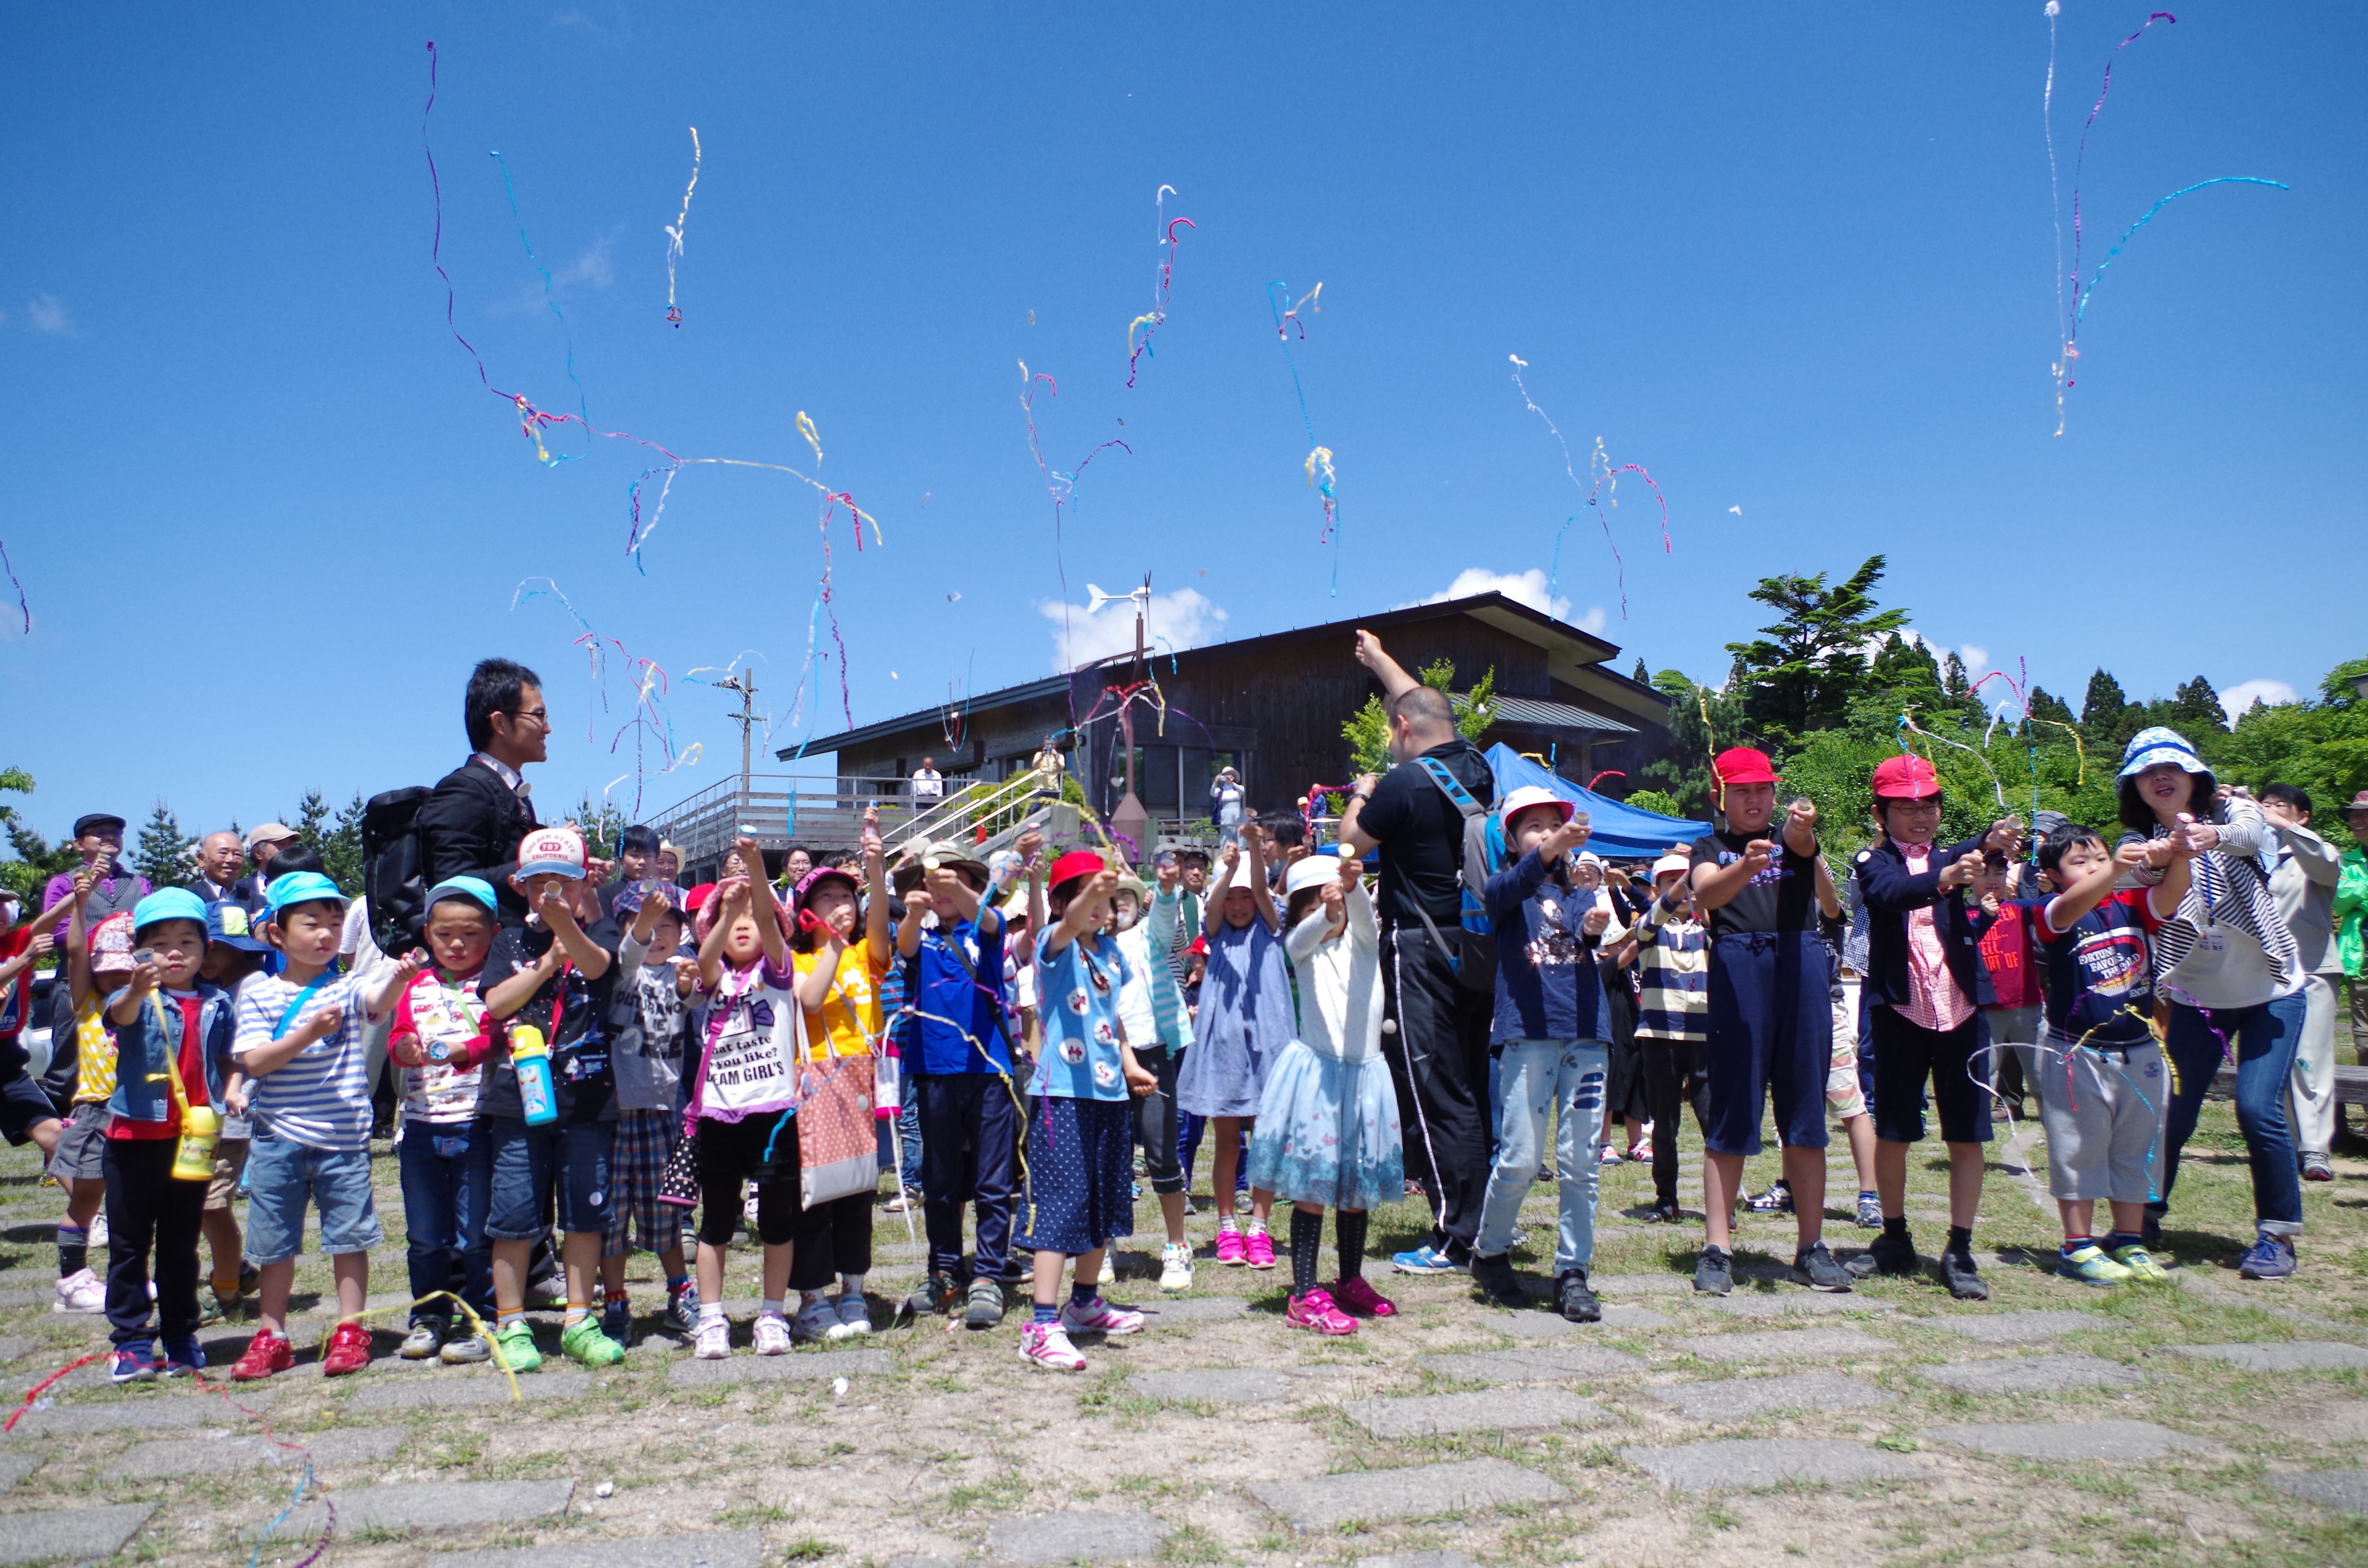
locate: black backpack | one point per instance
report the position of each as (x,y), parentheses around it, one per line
(394,868)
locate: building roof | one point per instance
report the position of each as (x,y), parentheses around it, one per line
(1574,656)
(1534,714)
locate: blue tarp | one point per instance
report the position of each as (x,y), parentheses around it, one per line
(1622,832)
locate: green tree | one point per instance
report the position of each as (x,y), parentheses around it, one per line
(2049,709)
(1656,800)
(161,852)
(1639,674)
(2318,745)
(2108,717)
(1956,684)
(600,822)
(2193,709)
(341,847)
(1802,672)
(1703,722)
(1367,731)
(36,862)
(311,821)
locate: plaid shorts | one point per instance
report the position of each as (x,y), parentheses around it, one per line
(645,1139)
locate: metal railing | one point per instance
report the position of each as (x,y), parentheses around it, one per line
(778,809)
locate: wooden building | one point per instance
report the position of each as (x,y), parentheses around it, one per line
(1272,708)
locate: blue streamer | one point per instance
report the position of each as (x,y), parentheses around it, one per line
(2081,310)
(583,403)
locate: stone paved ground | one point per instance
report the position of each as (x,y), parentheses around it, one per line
(2213,1421)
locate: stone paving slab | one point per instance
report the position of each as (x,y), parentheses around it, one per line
(1418,1560)
(2339,1420)
(479,1385)
(811,1367)
(1216,1386)
(78,1533)
(1461,1486)
(1075,1535)
(429,1506)
(1612,1285)
(2291,1356)
(1755,1305)
(1772,1344)
(1192,1309)
(214,1456)
(14,1468)
(1735,1399)
(2030,1374)
(32,1296)
(1543,1363)
(713,1549)
(2018,1328)
(1492,1410)
(15,1344)
(2076,1440)
(2344,1489)
(1740,1464)
(159,1413)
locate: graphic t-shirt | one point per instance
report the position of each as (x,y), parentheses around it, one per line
(572,1011)
(191,1063)
(849,1017)
(447,1017)
(2007,950)
(2098,987)
(646,1019)
(756,1029)
(321,1096)
(94,1051)
(1784,897)
(1080,1060)
(954,1006)
(18,995)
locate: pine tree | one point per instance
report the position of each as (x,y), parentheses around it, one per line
(36,861)
(1639,674)
(311,814)
(2196,706)
(2108,717)
(1956,684)
(1802,673)
(341,847)
(162,854)
(2047,705)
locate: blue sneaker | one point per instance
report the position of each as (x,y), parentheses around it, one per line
(1426,1259)
(180,1358)
(617,1321)
(2269,1257)
(131,1364)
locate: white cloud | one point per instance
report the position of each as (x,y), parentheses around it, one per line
(1522,587)
(1977,657)
(593,269)
(2237,698)
(48,314)
(1185,619)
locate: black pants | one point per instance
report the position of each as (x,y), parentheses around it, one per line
(1674,1076)
(834,1238)
(1155,1120)
(731,1152)
(969,1153)
(147,1209)
(1439,1061)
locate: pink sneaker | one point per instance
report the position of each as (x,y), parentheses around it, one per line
(1259,1247)
(1047,1344)
(1100,1318)
(1359,1297)
(1230,1250)
(1316,1310)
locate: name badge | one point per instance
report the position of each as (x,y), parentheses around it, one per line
(2209,940)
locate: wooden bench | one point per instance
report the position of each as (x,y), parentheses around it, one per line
(2351,1085)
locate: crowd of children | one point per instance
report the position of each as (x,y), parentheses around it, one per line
(585,1078)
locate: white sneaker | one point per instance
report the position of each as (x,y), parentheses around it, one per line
(813,1320)
(98,1236)
(81,1291)
(854,1318)
(1047,1344)
(1176,1266)
(715,1342)
(773,1336)
(902,1202)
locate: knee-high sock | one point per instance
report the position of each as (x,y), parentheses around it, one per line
(1349,1232)
(1306,1238)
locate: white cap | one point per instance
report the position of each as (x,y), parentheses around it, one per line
(1311,872)
(1529,795)
(1672,861)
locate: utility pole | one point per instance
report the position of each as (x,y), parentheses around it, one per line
(1130,819)
(744,683)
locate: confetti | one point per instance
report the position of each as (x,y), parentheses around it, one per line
(1605,487)
(1320,474)
(1150,320)
(583,401)
(1062,487)
(651,721)
(674,231)
(1737,510)
(23,608)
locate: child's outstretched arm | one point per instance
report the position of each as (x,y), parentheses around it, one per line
(1260,894)
(1078,918)
(814,986)
(876,939)
(1213,908)
(78,941)
(2068,906)
(917,905)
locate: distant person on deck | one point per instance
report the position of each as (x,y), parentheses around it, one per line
(929,784)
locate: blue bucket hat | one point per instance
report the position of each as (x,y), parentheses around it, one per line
(170,904)
(229,924)
(2159,744)
(476,889)
(299,887)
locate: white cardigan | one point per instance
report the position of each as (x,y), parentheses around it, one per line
(1340,982)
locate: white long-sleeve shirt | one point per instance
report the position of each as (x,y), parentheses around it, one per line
(1340,982)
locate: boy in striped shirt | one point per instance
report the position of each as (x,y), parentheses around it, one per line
(299,1041)
(1672,1018)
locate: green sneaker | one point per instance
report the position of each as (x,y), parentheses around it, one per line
(516,1347)
(2139,1262)
(2089,1266)
(583,1341)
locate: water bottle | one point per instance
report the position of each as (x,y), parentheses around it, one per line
(193,1157)
(531,1057)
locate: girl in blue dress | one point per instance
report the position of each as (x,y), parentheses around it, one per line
(1246,1018)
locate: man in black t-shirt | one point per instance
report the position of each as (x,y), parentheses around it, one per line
(1439,1055)
(1772,1026)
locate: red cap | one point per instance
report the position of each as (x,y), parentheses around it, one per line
(1741,765)
(699,895)
(1905,778)
(1075,863)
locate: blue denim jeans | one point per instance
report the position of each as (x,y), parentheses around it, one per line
(447,1178)
(1536,1077)
(909,1136)
(282,1175)
(2263,1040)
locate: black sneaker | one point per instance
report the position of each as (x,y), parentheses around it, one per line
(1777,1200)
(1887,1254)
(1665,1214)
(2150,1231)
(1964,1282)
(984,1308)
(1578,1303)
(680,1319)
(938,1294)
(1498,1282)
(1714,1271)
(1817,1266)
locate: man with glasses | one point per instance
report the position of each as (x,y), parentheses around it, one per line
(471,823)
(98,839)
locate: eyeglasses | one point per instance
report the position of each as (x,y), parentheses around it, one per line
(539,715)
(1915,806)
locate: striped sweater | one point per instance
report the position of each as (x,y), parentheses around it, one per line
(1673,974)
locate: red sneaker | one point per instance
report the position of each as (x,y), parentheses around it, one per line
(1316,1310)
(1230,1250)
(349,1350)
(1359,1296)
(267,1353)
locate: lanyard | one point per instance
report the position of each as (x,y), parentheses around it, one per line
(287,1019)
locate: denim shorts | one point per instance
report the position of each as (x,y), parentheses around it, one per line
(282,1174)
(535,1166)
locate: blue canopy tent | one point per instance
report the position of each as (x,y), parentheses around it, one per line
(1621,832)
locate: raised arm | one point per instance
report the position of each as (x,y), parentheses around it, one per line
(876,939)
(814,986)
(1078,918)
(917,905)
(1388,671)
(1260,894)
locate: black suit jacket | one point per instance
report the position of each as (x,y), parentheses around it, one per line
(1891,892)
(470,826)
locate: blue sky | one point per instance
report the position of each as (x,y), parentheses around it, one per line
(1795,261)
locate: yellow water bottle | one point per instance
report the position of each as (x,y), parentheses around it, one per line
(193,1158)
(531,1056)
